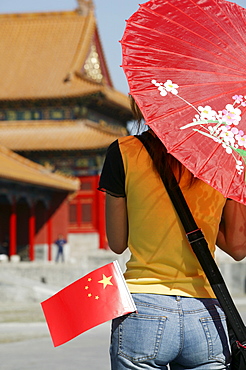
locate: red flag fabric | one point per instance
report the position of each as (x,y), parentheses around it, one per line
(97,297)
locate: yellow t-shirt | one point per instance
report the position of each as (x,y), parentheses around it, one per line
(162,261)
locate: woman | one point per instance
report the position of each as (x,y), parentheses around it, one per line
(178,320)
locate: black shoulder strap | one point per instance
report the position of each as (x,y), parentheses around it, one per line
(200,248)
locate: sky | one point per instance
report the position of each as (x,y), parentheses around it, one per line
(111,16)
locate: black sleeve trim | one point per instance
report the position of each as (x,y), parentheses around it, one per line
(112,179)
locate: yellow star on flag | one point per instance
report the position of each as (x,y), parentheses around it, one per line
(106,281)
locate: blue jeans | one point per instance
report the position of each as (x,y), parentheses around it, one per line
(182,332)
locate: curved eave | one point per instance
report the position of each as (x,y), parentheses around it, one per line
(58,135)
(16,168)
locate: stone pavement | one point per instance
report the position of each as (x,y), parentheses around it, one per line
(29,347)
(89,351)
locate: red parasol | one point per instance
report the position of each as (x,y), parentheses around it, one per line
(185,62)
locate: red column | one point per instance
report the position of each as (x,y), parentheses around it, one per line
(49,236)
(32,224)
(103,244)
(12,229)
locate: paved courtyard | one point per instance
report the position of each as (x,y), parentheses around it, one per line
(28,346)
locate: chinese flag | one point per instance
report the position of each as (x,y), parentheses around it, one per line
(95,298)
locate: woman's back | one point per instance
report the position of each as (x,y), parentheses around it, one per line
(160,251)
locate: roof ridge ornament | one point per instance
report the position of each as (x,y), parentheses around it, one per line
(85,6)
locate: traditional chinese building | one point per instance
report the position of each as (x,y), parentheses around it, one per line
(58,106)
(33,206)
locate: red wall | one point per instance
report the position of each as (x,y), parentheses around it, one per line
(60,220)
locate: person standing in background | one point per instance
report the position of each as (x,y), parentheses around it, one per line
(60,242)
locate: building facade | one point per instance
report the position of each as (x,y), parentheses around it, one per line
(33,206)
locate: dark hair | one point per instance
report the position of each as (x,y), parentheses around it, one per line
(161,158)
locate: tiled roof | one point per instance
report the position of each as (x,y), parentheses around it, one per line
(16,168)
(58,135)
(41,50)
